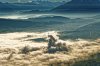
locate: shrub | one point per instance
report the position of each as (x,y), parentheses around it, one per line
(25,50)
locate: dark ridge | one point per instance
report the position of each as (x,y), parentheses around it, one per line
(79,6)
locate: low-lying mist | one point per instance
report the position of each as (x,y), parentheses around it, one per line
(31,49)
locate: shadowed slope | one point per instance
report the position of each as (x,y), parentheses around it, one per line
(79,5)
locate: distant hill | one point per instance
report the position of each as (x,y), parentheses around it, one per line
(79,5)
(88,31)
(28,6)
(44,23)
(6,7)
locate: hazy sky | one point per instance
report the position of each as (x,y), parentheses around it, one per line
(24,0)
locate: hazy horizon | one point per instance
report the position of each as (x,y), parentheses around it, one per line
(13,1)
